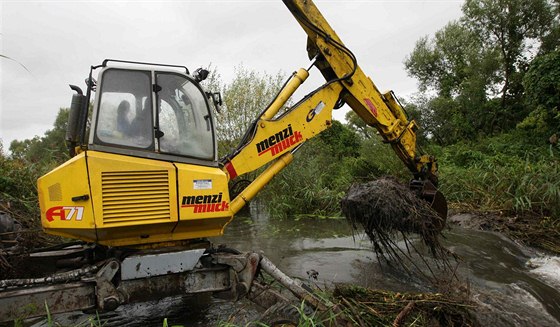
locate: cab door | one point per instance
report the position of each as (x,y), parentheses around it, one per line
(185,128)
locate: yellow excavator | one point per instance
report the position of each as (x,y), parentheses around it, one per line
(145,173)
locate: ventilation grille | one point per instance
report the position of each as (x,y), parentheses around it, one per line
(138,196)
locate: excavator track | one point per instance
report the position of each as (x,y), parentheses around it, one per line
(134,276)
(124,277)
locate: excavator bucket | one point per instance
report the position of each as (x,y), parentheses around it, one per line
(427,191)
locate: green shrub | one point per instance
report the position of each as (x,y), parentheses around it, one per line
(503,173)
(18,191)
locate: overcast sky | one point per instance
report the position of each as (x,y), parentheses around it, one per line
(58,41)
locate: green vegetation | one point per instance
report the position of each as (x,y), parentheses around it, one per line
(473,69)
(491,111)
(506,173)
(29,159)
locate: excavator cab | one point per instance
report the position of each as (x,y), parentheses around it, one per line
(147,171)
(150,113)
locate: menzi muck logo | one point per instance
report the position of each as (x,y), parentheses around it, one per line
(205,203)
(65,213)
(279,141)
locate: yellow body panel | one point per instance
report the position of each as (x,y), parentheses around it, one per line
(134,199)
(204,207)
(278,136)
(122,200)
(60,215)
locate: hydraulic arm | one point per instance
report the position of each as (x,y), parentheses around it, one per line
(273,137)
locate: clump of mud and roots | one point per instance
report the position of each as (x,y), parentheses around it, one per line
(404,230)
(385,209)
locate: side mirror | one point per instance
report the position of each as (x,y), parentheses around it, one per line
(216,100)
(91,83)
(200,74)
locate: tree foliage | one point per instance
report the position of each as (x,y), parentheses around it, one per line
(359,125)
(514,27)
(244,98)
(461,71)
(542,89)
(551,41)
(50,148)
(472,70)
(454,63)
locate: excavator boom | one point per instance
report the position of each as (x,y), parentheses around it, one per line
(345,83)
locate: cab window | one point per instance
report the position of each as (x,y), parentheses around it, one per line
(125,110)
(184,121)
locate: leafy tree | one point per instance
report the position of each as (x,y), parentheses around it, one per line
(514,27)
(359,125)
(542,87)
(551,40)
(461,70)
(473,68)
(341,141)
(455,62)
(50,148)
(244,99)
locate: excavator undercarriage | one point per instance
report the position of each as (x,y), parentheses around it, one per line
(93,278)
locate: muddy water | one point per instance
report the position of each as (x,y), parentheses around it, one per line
(513,285)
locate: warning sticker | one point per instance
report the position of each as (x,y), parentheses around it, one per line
(202,184)
(371,106)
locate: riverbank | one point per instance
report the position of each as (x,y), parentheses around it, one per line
(542,233)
